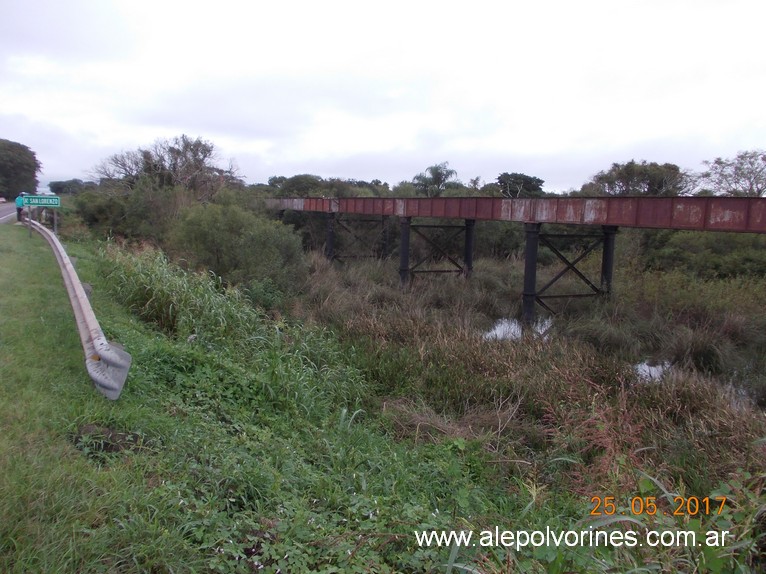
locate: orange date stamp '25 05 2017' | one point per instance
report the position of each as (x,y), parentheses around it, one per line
(647,505)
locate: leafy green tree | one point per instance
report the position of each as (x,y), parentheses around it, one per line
(277,181)
(71,186)
(491,189)
(356,187)
(18,169)
(520,185)
(404,189)
(304,185)
(104,214)
(434,180)
(341,188)
(633,178)
(743,175)
(261,190)
(457,189)
(379,187)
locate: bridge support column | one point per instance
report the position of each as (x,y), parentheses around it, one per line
(404,251)
(607,259)
(470,229)
(329,246)
(386,247)
(529,298)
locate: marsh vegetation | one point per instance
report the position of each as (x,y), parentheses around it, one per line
(286,413)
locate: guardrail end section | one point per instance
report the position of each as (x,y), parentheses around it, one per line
(109,376)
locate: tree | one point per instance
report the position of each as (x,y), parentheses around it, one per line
(277,181)
(182,161)
(379,188)
(123,168)
(744,175)
(71,186)
(303,185)
(18,169)
(520,185)
(490,189)
(634,178)
(404,189)
(239,246)
(433,181)
(192,164)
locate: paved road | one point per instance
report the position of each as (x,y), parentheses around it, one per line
(8,212)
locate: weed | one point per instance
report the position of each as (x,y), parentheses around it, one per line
(262,445)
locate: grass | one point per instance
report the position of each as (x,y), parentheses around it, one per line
(238,459)
(60,512)
(243,442)
(574,396)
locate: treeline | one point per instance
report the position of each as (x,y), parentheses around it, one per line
(193,164)
(178,195)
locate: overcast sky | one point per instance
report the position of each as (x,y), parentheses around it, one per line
(557,89)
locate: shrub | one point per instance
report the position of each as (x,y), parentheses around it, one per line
(708,254)
(241,247)
(144,212)
(101,212)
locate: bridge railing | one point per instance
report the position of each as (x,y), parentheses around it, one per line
(740,214)
(107,363)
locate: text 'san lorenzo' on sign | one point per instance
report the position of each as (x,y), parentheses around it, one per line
(42,200)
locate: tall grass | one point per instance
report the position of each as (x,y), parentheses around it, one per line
(575,395)
(181,304)
(260,360)
(273,445)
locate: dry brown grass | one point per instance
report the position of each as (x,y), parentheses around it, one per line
(535,400)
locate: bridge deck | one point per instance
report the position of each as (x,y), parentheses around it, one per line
(740,214)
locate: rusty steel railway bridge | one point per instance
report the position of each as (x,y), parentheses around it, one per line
(732,214)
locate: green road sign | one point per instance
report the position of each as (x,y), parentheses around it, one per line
(42,200)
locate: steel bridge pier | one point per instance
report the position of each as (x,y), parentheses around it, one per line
(709,214)
(407,270)
(533,296)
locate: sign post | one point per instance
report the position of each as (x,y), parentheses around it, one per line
(44,201)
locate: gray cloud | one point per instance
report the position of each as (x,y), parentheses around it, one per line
(559,92)
(78,29)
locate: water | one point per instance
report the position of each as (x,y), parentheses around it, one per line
(649,373)
(653,373)
(511,329)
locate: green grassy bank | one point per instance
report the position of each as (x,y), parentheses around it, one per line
(246,443)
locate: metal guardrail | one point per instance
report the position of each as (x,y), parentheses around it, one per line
(107,364)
